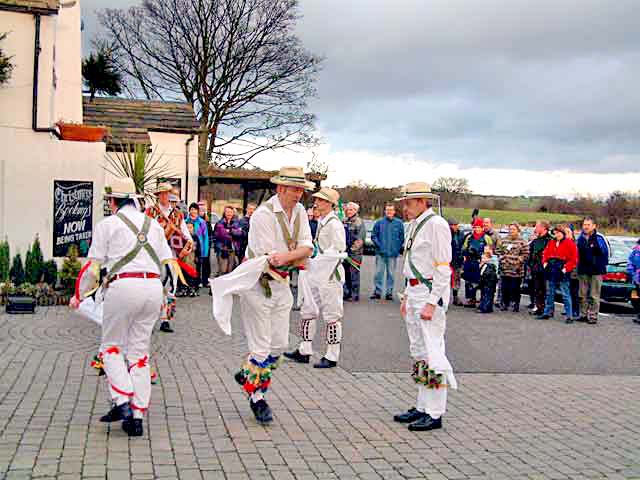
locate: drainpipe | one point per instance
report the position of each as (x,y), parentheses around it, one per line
(36,71)
(186,169)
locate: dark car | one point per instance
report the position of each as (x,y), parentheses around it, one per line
(616,284)
(369,249)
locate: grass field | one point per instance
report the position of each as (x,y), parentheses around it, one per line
(504,217)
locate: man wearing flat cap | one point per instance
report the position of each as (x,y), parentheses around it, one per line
(280,230)
(133,250)
(326,289)
(427,272)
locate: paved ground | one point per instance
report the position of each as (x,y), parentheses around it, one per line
(376,339)
(333,424)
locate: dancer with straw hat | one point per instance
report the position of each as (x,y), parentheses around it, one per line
(424,305)
(280,231)
(133,249)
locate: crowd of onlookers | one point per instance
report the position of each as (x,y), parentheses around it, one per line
(492,267)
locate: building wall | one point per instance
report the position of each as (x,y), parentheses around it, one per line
(29,163)
(16,96)
(68,65)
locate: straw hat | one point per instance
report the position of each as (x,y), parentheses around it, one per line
(164,187)
(416,190)
(328,194)
(121,188)
(292,177)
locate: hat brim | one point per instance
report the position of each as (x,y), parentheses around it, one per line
(158,192)
(293,182)
(122,195)
(416,195)
(324,197)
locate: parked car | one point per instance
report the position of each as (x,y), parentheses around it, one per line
(616,284)
(369,249)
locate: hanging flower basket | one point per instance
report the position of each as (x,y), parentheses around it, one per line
(82,133)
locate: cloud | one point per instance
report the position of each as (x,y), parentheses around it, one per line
(540,86)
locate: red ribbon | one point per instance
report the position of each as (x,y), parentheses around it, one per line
(113,349)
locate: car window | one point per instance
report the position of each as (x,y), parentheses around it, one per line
(620,250)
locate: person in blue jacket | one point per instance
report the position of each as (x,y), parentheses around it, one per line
(633,269)
(388,240)
(593,258)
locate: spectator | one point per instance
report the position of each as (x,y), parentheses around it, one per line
(487,225)
(356,235)
(472,251)
(206,274)
(213,252)
(244,226)
(388,240)
(536,250)
(457,241)
(513,252)
(228,234)
(558,259)
(593,251)
(574,284)
(313,221)
(202,253)
(191,288)
(633,268)
(488,279)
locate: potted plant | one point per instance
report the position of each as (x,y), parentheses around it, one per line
(78,132)
(70,269)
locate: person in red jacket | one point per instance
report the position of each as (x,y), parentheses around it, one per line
(559,259)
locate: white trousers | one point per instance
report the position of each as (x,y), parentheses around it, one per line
(328,299)
(266,320)
(426,343)
(131,307)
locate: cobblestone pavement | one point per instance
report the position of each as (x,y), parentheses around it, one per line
(330,424)
(502,342)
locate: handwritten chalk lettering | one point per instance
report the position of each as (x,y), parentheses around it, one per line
(72,216)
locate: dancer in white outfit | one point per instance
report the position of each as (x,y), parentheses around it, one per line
(326,290)
(279,229)
(428,274)
(132,247)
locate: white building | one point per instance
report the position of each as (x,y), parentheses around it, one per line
(44,41)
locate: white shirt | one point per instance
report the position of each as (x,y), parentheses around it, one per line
(265,234)
(431,254)
(330,234)
(166,211)
(113,240)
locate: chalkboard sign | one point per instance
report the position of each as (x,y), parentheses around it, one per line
(72,216)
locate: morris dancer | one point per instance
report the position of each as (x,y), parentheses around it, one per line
(177,234)
(132,248)
(424,306)
(279,229)
(327,292)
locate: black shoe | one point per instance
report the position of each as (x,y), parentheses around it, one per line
(165,327)
(582,319)
(426,423)
(346,298)
(535,311)
(409,417)
(355,298)
(325,363)
(592,321)
(516,308)
(133,427)
(637,319)
(375,296)
(117,413)
(470,304)
(296,356)
(568,320)
(389,297)
(262,411)
(504,307)
(543,317)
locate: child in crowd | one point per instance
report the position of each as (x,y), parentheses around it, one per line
(488,279)
(191,289)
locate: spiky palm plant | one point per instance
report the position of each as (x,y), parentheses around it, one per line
(5,64)
(141,164)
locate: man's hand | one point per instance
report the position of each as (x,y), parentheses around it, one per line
(403,307)
(564,270)
(544,265)
(278,259)
(74,303)
(427,312)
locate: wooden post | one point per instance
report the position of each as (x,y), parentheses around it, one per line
(245,198)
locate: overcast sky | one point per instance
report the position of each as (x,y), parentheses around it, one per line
(520,97)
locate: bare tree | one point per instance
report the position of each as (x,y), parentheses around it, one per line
(452,185)
(239,62)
